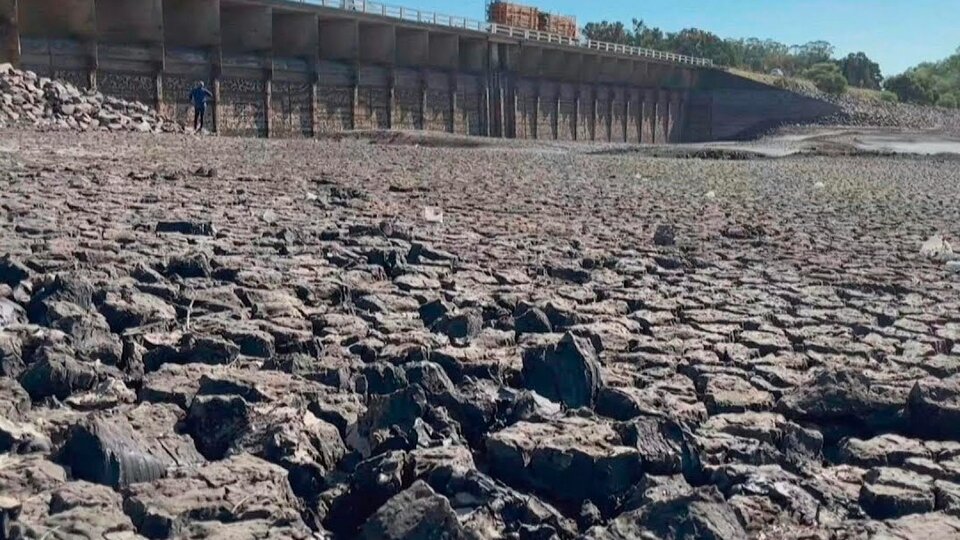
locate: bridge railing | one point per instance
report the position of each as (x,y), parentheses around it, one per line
(439,19)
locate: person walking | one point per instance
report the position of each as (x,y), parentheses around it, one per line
(199,97)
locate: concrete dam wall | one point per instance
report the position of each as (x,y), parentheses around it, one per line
(289,68)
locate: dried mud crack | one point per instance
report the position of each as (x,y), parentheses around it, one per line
(205,337)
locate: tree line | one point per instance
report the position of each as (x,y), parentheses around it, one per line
(928,84)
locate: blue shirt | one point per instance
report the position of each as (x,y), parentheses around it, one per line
(199,97)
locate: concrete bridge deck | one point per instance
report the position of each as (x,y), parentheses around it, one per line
(299,68)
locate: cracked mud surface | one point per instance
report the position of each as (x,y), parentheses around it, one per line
(267,339)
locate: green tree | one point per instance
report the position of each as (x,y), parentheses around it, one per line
(912,87)
(647,37)
(889,97)
(611,32)
(703,44)
(949,101)
(860,71)
(827,77)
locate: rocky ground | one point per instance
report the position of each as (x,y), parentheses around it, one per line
(29,100)
(432,339)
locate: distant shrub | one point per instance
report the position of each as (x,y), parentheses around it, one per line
(889,97)
(827,77)
(948,101)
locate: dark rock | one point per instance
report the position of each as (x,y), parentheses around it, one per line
(135,309)
(491,508)
(12,271)
(216,422)
(433,311)
(17,438)
(665,235)
(431,377)
(701,514)
(846,396)
(82,510)
(63,289)
(237,490)
(934,408)
(383,378)
(136,446)
(890,493)
(390,421)
(416,513)
(568,459)
(569,273)
(884,450)
(194,265)
(14,400)
(197,228)
(11,355)
(567,372)
(192,349)
(660,443)
(533,321)
(374,481)
(173,383)
(420,253)
(460,327)
(55,373)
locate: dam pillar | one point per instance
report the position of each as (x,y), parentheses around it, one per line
(58,38)
(130,49)
(663,116)
(473,79)
(443,61)
(627,111)
(649,116)
(293,86)
(191,53)
(9,33)
(377,58)
(413,52)
(339,74)
(246,69)
(675,125)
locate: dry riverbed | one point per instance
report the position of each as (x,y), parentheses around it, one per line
(406,337)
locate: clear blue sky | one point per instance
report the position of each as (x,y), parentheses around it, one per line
(896,33)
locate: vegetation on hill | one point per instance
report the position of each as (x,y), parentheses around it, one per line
(932,83)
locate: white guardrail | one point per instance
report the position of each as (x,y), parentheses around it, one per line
(439,19)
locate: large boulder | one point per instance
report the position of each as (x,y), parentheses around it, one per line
(79,510)
(849,397)
(569,459)
(702,514)
(139,445)
(891,493)
(934,408)
(239,489)
(566,372)
(417,513)
(55,372)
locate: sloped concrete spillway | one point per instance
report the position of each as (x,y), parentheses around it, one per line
(292,68)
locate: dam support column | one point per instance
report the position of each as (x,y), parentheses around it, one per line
(216,72)
(593,113)
(663,117)
(649,116)
(454,107)
(9,33)
(576,114)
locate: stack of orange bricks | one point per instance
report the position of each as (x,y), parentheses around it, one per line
(558,24)
(515,15)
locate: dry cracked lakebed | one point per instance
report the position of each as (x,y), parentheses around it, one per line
(419,338)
